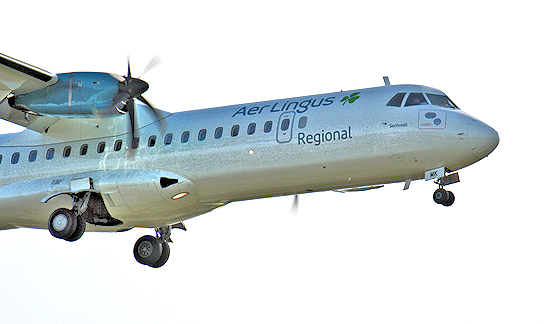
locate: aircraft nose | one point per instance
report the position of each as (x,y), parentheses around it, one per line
(483,139)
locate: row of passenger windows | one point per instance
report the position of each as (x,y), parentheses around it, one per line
(417,98)
(201,136)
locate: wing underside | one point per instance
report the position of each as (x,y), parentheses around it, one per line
(17,78)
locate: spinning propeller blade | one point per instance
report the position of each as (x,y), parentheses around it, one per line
(295,204)
(133,88)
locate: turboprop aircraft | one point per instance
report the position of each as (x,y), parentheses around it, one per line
(97,156)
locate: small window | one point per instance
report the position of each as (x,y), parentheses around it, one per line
(302,122)
(15,158)
(152,141)
(135,143)
(416,98)
(235,130)
(268,126)
(285,124)
(33,156)
(396,100)
(118,145)
(185,137)
(0,158)
(83,150)
(67,151)
(101,147)
(168,139)
(50,154)
(218,132)
(202,134)
(251,129)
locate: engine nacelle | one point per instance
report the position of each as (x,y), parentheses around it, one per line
(75,95)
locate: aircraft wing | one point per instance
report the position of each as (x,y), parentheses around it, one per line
(17,78)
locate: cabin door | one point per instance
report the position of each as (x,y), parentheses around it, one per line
(285,127)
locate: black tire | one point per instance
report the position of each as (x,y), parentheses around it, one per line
(440,196)
(79,230)
(147,250)
(164,257)
(62,223)
(450,200)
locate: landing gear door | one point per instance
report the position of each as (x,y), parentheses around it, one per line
(285,127)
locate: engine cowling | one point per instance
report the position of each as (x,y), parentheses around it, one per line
(76,95)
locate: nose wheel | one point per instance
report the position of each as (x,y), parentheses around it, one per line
(443,197)
(443,177)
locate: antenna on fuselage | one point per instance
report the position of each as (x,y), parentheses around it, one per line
(386,81)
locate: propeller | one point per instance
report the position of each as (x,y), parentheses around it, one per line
(132,88)
(295,204)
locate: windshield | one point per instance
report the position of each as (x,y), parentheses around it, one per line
(441,100)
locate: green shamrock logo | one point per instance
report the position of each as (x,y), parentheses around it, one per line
(351,99)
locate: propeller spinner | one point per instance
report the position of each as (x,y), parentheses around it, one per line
(132,88)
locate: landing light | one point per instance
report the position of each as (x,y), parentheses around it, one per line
(180,195)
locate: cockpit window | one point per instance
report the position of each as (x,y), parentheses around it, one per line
(396,100)
(441,100)
(416,98)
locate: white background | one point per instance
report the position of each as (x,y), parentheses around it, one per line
(383,256)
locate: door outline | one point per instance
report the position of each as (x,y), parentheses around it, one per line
(285,136)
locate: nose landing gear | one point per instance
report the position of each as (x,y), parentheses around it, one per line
(444,197)
(443,177)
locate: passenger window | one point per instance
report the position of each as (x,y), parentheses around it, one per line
(185,137)
(67,151)
(218,132)
(285,124)
(32,156)
(235,130)
(396,100)
(251,129)
(268,126)
(84,149)
(50,154)
(302,122)
(135,143)
(152,141)
(118,145)
(168,139)
(416,98)
(0,158)
(100,147)
(202,134)
(15,158)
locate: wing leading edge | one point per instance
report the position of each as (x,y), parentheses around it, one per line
(17,78)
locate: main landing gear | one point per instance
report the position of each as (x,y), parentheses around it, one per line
(66,224)
(154,251)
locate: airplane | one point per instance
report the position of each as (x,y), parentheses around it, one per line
(97,156)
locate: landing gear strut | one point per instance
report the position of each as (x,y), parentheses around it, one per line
(155,251)
(441,196)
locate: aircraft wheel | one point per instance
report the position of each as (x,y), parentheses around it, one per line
(440,196)
(148,250)
(62,223)
(79,230)
(450,200)
(164,257)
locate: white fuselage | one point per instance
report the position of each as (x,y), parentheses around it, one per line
(327,143)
